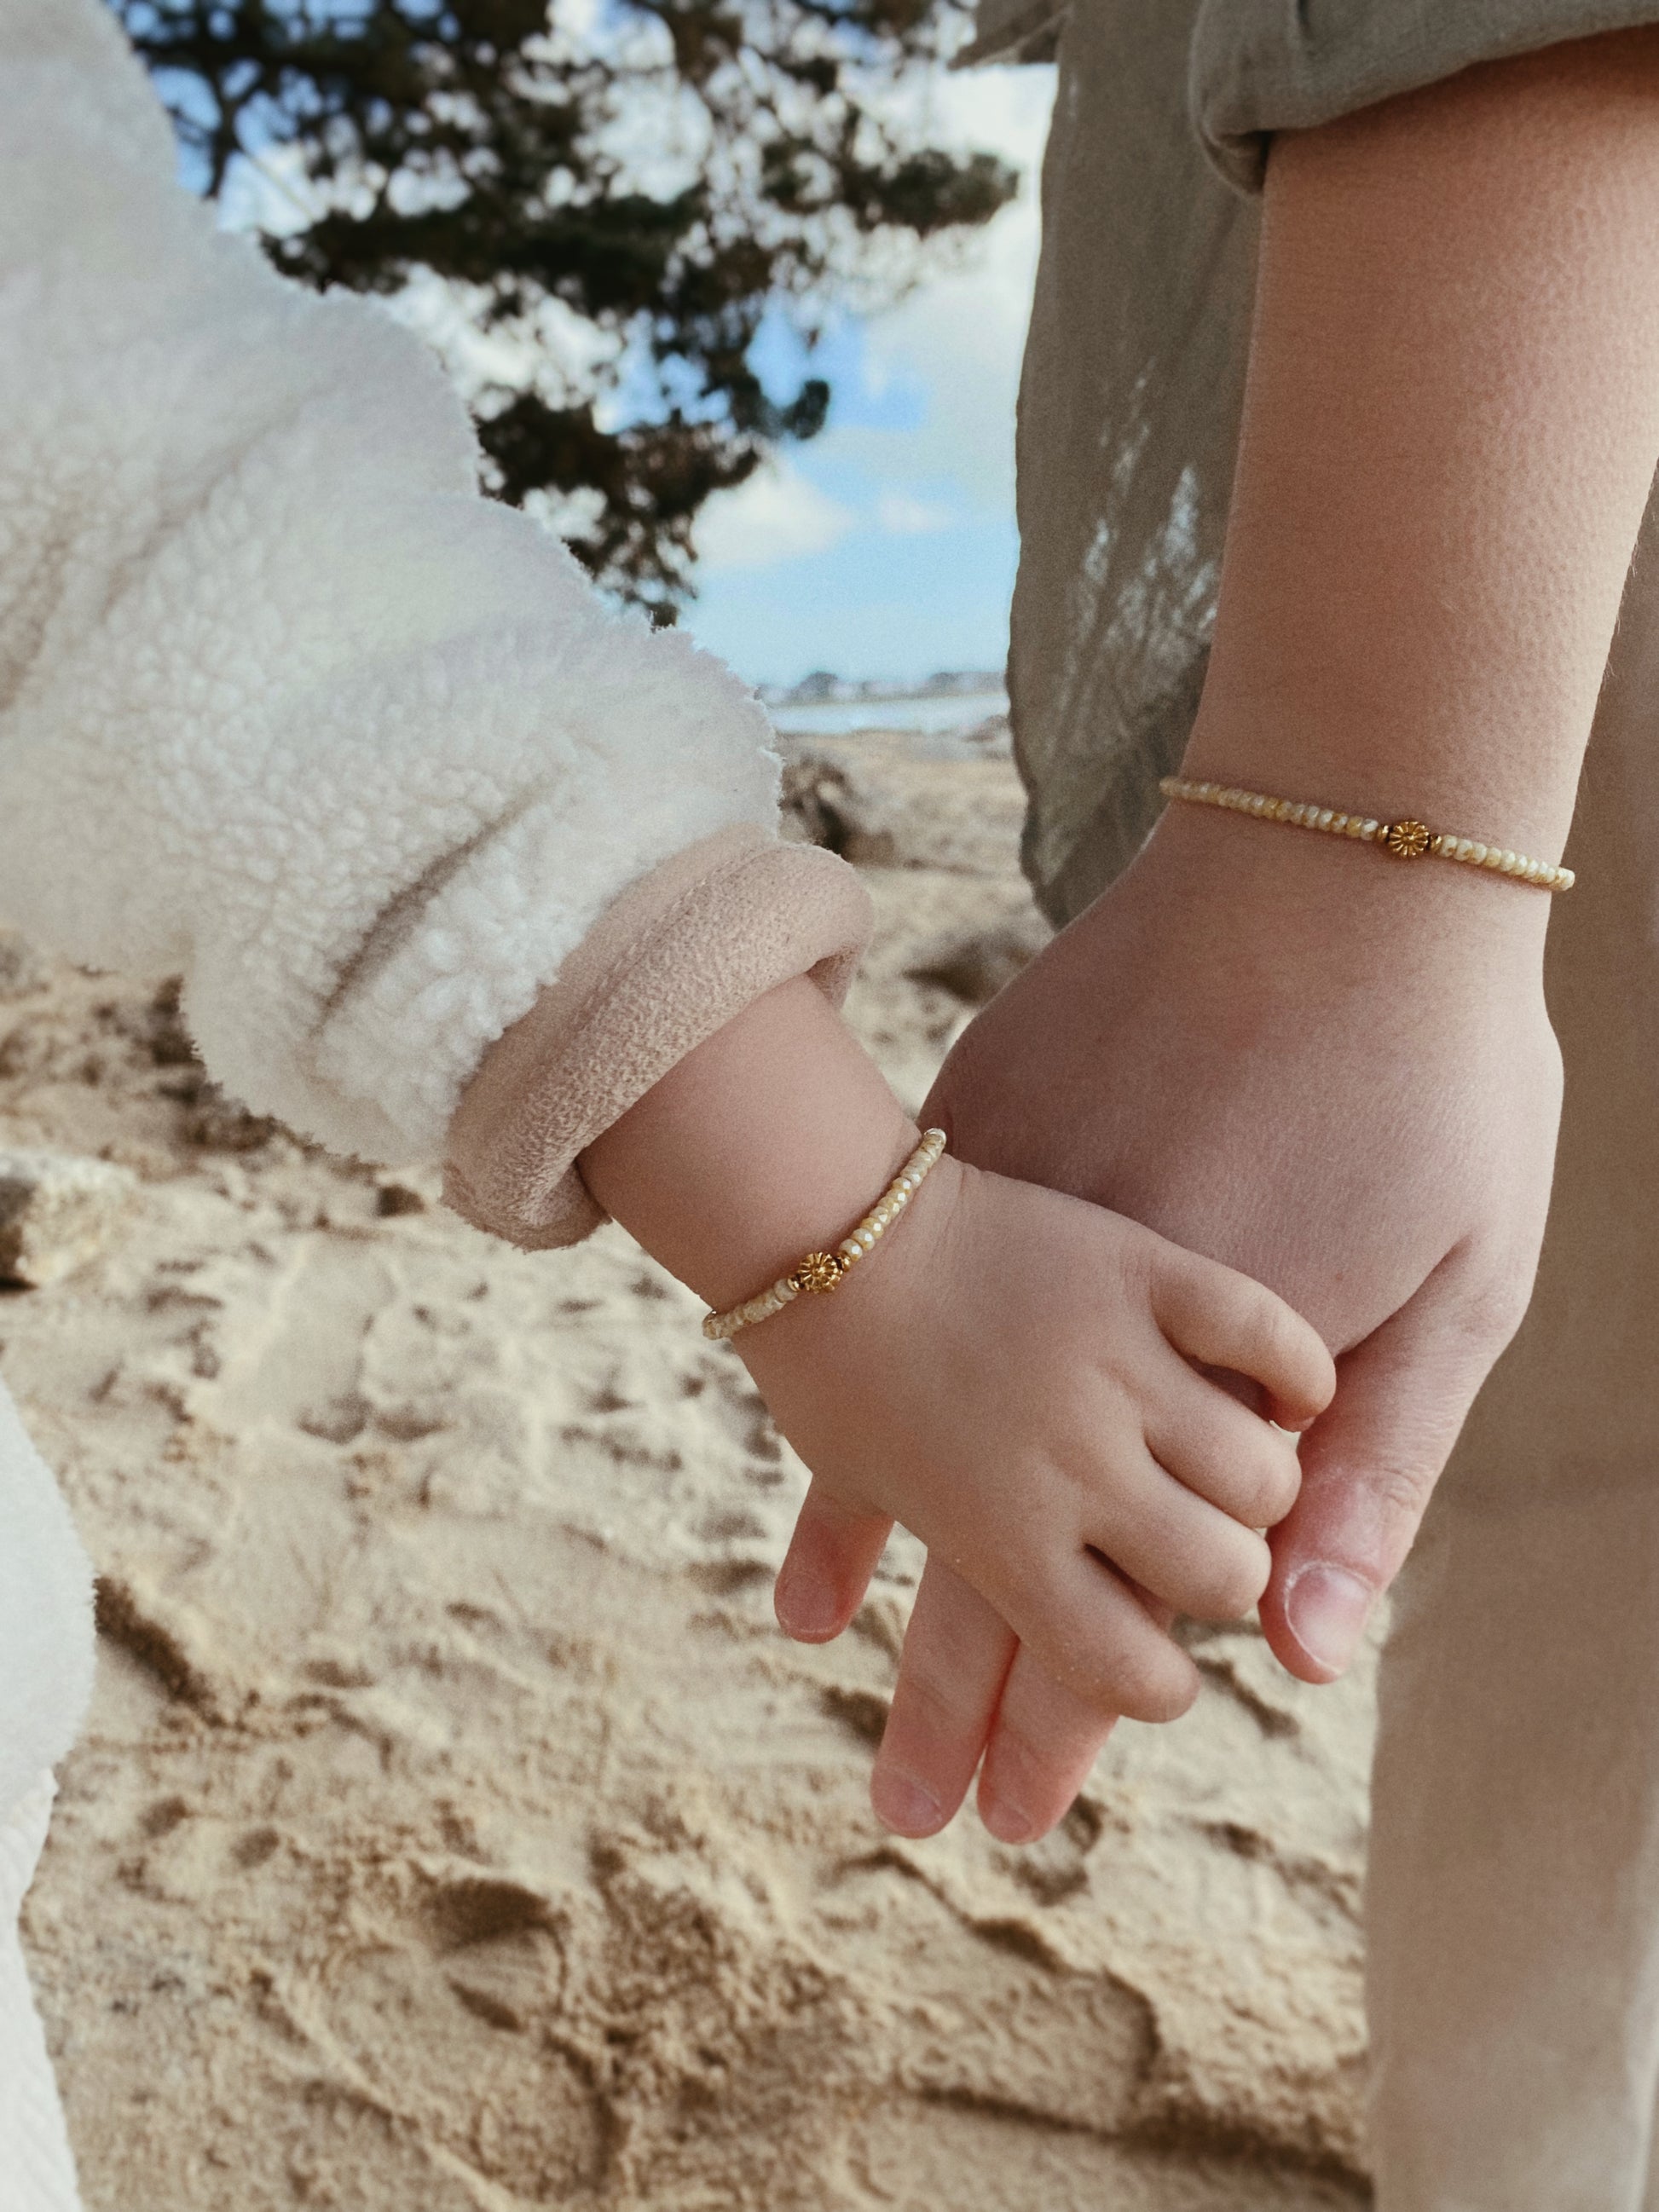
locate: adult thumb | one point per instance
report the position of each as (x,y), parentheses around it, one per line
(1369,1466)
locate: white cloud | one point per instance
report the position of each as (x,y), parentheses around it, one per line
(958,339)
(777,515)
(905,515)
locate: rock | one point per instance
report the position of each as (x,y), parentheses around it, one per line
(219,1124)
(22,968)
(392,1198)
(821,806)
(170,1042)
(58,1212)
(880,804)
(976,964)
(995,734)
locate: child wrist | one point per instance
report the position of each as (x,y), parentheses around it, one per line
(820,1271)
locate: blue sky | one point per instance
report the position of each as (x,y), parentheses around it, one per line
(886,546)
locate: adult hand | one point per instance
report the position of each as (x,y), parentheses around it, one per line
(1215,1048)
(1336,1074)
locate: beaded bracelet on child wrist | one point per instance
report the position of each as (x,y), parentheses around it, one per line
(820,1272)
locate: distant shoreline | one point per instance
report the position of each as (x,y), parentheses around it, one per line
(823,688)
(928,713)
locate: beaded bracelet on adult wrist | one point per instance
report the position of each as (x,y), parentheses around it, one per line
(825,1271)
(1406,840)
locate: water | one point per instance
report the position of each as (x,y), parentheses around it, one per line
(933,716)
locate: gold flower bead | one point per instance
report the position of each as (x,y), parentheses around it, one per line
(1408,840)
(818,1271)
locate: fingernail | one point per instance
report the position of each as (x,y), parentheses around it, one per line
(807,1608)
(904,1804)
(1327,1608)
(1008,1822)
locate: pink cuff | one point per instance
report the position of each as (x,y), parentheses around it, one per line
(671,961)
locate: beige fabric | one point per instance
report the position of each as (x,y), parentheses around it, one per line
(1514,1888)
(671,961)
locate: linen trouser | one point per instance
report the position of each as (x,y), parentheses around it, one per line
(1514,1885)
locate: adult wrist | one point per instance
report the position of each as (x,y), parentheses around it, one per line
(1319,900)
(1356,762)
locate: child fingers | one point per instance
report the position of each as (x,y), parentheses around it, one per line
(827,1569)
(1159,1533)
(956,1654)
(1222,1319)
(1097,1639)
(1240,1463)
(1044,1741)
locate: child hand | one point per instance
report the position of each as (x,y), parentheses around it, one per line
(1013,1378)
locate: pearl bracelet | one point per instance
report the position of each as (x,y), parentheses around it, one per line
(825,1271)
(1406,840)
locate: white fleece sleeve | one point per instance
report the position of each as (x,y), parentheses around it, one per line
(285,703)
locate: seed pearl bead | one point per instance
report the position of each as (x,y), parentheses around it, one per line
(1442,844)
(822,1278)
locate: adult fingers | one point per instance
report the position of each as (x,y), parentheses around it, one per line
(956,1654)
(1369,1465)
(827,1569)
(1043,1742)
(1220,1318)
(1240,1463)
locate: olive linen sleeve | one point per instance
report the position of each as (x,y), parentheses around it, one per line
(1259,66)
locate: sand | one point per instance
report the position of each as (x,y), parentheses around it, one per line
(453,1829)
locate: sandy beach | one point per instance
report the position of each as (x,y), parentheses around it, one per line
(454,1832)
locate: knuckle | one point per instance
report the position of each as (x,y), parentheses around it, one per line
(1155,1686)
(1267,1328)
(1492,1311)
(1230,1585)
(1094,1678)
(1399,1489)
(927,1697)
(1276,1480)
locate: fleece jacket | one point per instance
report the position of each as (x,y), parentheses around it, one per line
(289,709)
